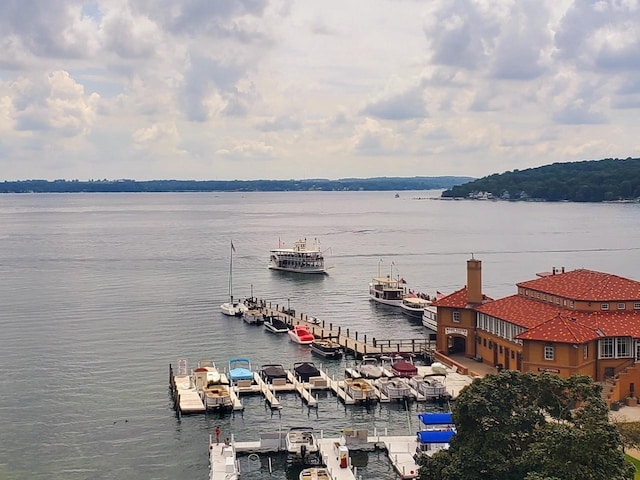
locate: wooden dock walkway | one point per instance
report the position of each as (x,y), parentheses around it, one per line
(353,343)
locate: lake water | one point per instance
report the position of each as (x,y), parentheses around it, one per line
(99,293)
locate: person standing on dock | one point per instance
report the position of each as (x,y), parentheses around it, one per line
(217,434)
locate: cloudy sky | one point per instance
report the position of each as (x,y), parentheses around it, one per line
(280,89)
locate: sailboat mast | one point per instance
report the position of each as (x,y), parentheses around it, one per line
(231,273)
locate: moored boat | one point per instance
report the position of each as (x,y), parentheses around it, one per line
(274,324)
(302,258)
(212,386)
(326,348)
(395,388)
(430,317)
(430,386)
(240,369)
(414,306)
(387,290)
(272,372)
(234,307)
(301,334)
(315,473)
(438,428)
(359,389)
(303,371)
(370,368)
(404,368)
(302,445)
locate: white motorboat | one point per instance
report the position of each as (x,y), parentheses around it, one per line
(315,473)
(302,258)
(212,386)
(370,368)
(387,290)
(301,444)
(240,369)
(430,317)
(233,307)
(301,334)
(414,306)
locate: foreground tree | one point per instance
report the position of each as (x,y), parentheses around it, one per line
(515,426)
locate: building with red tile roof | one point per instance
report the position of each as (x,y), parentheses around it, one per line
(565,322)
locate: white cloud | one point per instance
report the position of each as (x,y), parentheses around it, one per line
(248,88)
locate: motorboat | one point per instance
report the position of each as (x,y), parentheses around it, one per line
(404,368)
(301,444)
(430,317)
(326,348)
(275,325)
(359,389)
(303,371)
(234,307)
(253,315)
(413,306)
(216,397)
(370,368)
(387,290)
(395,388)
(315,473)
(436,433)
(212,386)
(240,369)
(302,258)
(206,373)
(301,334)
(272,372)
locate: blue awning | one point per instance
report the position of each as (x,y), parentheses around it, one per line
(435,418)
(435,436)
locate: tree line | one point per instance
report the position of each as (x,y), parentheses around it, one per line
(126,185)
(610,179)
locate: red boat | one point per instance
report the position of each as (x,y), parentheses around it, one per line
(301,334)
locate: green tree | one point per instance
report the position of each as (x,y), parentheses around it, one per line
(515,426)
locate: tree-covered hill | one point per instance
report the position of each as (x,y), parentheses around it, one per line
(345,184)
(588,181)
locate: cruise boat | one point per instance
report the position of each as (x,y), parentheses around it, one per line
(430,317)
(274,324)
(387,290)
(414,306)
(240,369)
(315,473)
(301,444)
(301,334)
(326,348)
(302,258)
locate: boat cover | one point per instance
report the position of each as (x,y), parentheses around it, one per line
(404,369)
(306,370)
(435,436)
(274,371)
(240,373)
(435,418)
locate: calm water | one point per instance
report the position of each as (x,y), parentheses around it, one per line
(99,293)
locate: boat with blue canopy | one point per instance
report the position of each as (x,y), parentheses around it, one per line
(240,369)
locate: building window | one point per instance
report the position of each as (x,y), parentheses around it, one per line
(513,355)
(606,348)
(636,306)
(564,302)
(557,301)
(623,347)
(544,297)
(548,352)
(622,306)
(456,317)
(479,340)
(604,306)
(500,349)
(585,351)
(572,304)
(484,342)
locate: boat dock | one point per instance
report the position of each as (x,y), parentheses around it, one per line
(352,342)
(400,450)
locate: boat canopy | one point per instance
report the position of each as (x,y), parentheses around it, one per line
(435,436)
(436,418)
(404,368)
(306,370)
(240,372)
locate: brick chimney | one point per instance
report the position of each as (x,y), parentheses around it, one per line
(474,281)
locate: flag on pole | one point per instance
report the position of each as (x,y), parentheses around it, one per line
(233,249)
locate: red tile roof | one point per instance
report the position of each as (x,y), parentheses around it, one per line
(621,323)
(586,285)
(560,329)
(457,299)
(520,311)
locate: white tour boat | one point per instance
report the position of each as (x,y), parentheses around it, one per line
(430,317)
(302,258)
(413,306)
(387,290)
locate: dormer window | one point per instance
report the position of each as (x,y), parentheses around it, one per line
(456,317)
(604,306)
(572,304)
(636,306)
(622,306)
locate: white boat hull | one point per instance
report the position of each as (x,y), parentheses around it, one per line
(234,309)
(315,271)
(384,301)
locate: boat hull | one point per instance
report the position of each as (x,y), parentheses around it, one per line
(326,350)
(233,309)
(312,271)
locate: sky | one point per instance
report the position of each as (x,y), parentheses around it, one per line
(284,89)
